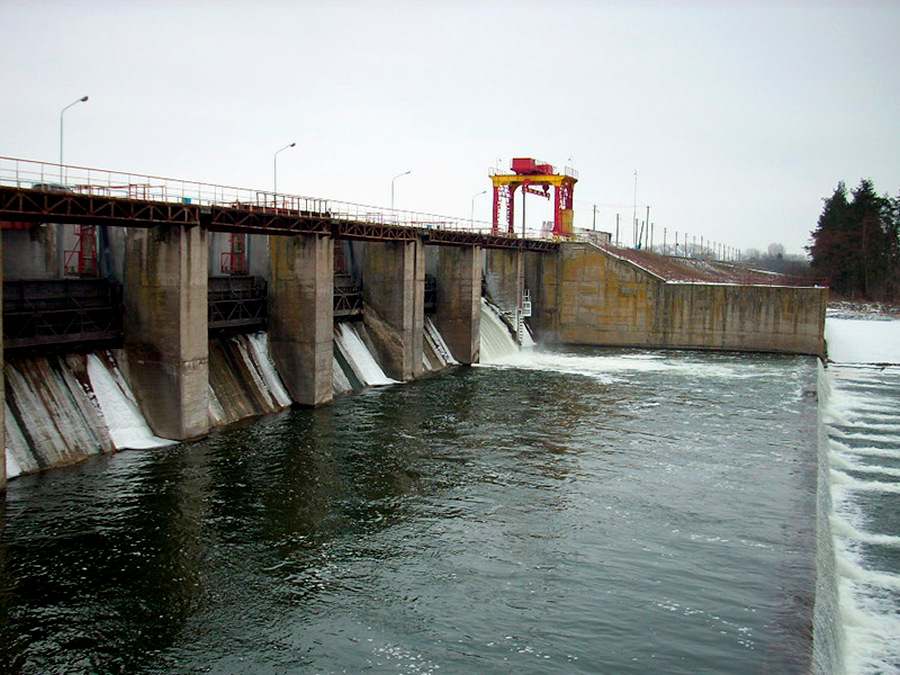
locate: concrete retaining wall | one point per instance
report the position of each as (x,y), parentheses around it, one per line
(584,295)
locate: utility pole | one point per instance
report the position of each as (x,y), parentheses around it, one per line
(595,217)
(648,226)
(634,234)
(617,229)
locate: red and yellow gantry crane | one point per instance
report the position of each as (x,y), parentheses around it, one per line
(534,177)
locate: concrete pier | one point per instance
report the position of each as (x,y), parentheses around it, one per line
(458,272)
(394,304)
(301,316)
(504,277)
(166,339)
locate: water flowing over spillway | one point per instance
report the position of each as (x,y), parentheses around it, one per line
(62,409)
(356,364)
(353,351)
(860,396)
(436,355)
(497,341)
(243,381)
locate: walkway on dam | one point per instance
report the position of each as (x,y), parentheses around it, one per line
(49,193)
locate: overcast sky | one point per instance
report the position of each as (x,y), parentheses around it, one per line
(739,117)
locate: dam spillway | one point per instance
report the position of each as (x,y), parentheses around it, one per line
(215,260)
(63,409)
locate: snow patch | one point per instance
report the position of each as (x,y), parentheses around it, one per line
(858,341)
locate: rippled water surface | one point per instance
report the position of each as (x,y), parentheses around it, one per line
(575,512)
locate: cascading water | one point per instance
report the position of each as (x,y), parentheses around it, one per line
(353,352)
(859,604)
(243,381)
(435,355)
(497,342)
(63,409)
(355,365)
(828,630)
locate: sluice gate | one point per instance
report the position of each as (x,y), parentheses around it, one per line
(53,312)
(237,304)
(348,301)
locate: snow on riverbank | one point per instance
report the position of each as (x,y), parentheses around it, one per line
(863,341)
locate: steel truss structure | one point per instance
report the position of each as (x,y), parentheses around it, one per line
(31,205)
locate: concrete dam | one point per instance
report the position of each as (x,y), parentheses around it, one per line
(140,311)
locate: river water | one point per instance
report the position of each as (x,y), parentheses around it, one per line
(570,511)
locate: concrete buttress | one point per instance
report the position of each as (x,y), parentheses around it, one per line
(166,332)
(301,316)
(458,315)
(504,277)
(394,304)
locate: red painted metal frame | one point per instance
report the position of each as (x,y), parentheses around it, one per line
(34,206)
(527,173)
(85,253)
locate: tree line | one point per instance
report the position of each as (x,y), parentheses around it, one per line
(856,244)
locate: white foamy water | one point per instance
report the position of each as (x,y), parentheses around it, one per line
(498,345)
(496,340)
(61,410)
(861,414)
(261,362)
(354,350)
(436,341)
(126,424)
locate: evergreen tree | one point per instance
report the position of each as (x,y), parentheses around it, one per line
(855,245)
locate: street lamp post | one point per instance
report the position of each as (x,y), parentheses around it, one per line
(275,166)
(472,212)
(61,112)
(392,185)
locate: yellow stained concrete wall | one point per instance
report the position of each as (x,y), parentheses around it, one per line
(583,295)
(745,318)
(601,301)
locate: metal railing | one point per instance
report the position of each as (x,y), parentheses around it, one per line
(22,173)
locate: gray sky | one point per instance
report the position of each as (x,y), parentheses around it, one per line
(739,117)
